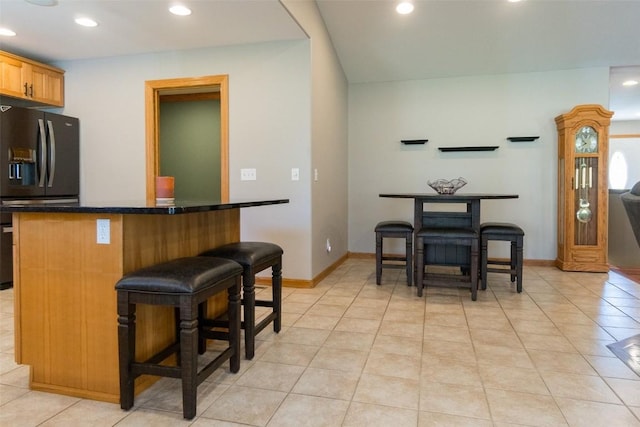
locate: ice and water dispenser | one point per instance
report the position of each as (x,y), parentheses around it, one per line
(22,166)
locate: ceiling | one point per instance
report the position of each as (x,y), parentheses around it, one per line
(442,38)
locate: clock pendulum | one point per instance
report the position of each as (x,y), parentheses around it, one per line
(584,181)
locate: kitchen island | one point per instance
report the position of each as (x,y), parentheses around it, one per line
(65,301)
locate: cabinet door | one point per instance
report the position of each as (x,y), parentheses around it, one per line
(31,81)
(54,88)
(11,73)
(45,85)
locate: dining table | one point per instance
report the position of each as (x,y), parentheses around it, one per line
(429,212)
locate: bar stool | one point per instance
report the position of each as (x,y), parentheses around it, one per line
(255,257)
(394,229)
(183,283)
(447,236)
(506,232)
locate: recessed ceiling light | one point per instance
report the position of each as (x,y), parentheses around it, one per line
(7,32)
(43,2)
(180,10)
(404,7)
(86,22)
(630,83)
(514,1)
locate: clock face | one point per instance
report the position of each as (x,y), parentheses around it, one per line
(586,140)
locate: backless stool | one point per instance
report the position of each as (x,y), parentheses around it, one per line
(254,258)
(394,229)
(183,283)
(447,236)
(505,232)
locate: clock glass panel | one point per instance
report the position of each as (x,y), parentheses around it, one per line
(586,201)
(587,140)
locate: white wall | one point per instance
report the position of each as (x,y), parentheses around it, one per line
(276,124)
(466,111)
(329,205)
(269,122)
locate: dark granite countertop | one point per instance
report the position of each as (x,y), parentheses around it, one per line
(138,207)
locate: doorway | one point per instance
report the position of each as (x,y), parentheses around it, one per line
(204,87)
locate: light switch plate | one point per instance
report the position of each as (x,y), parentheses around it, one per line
(247,174)
(295,174)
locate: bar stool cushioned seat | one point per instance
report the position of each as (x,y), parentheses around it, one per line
(183,283)
(254,258)
(447,236)
(394,229)
(503,231)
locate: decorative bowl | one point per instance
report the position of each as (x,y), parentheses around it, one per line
(443,186)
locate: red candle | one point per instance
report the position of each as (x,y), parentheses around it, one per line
(165,187)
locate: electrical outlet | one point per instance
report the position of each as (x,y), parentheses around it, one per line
(295,174)
(103,231)
(315,174)
(247,174)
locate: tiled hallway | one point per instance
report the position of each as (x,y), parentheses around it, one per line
(355,354)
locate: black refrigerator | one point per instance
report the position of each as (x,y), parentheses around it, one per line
(39,163)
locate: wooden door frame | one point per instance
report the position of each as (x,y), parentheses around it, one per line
(153,90)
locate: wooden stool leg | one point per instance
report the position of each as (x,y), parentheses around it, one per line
(276,285)
(176,324)
(202,314)
(408,252)
(519,261)
(474,270)
(483,262)
(249,301)
(233,313)
(126,348)
(513,261)
(189,355)
(378,258)
(419,265)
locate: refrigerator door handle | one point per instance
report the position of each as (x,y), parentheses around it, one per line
(43,153)
(52,153)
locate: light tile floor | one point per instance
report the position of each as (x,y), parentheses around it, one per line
(355,354)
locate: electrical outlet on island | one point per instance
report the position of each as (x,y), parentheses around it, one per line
(103,231)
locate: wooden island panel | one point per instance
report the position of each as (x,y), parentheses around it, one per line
(66,318)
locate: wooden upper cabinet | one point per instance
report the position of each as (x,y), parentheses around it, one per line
(11,76)
(31,81)
(46,85)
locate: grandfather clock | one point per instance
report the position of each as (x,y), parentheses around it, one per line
(583,145)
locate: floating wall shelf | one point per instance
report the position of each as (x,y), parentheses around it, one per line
(480,148)
(522,138)
(414,141)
